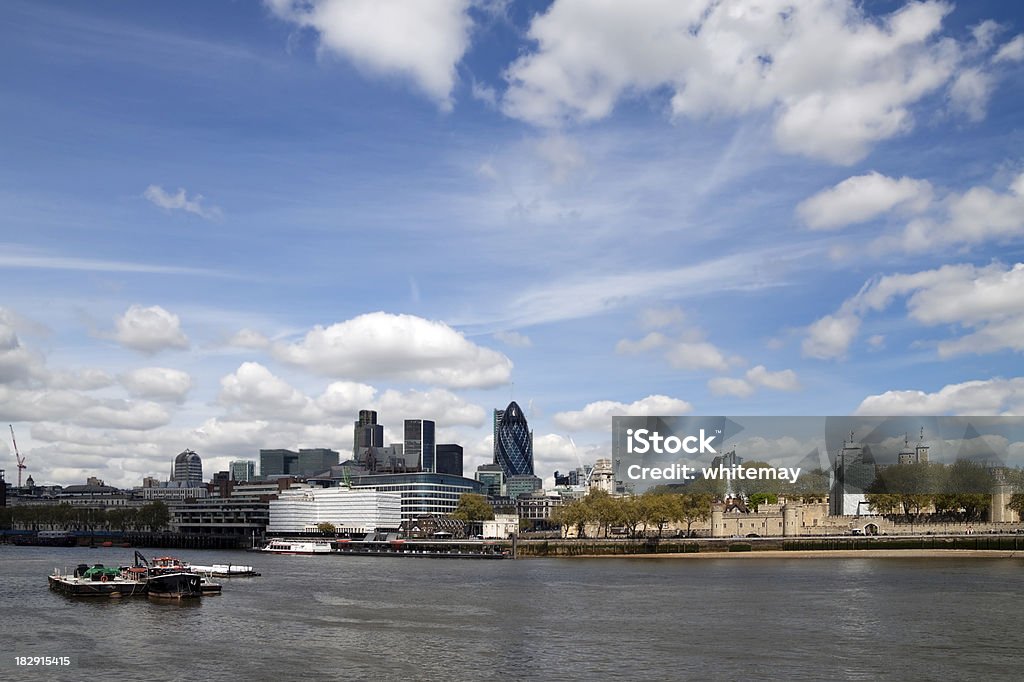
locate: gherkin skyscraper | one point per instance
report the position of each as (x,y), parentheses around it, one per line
(514,443)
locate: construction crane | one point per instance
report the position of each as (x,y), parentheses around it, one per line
(17,456)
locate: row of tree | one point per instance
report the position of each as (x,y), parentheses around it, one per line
(961,491)
(652,509)
(153,516)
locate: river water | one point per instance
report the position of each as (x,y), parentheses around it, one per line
(328,617)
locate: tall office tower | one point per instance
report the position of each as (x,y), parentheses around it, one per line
(278,462)
(243,470)
(367,433)
(449,459)
(420,451)
(498,414)
(315,461)
(188,467)
(514,442)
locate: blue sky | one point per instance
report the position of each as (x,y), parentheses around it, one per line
(228,226)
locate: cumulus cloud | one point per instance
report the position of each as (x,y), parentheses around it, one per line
(986,299)
(756,377)
(421,41)
(157,383)
(687,353)
(179,201)
(443,407)
(256,393)
(861,198)
(398,346)
(835,80)
(990,396)
(597,416)
(149,329)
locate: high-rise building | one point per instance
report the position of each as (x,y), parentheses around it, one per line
(498,414)
(449,459)
(492,478)
(420,450)
(367,433)
(243,470)
(315,461)
(522,485)
(188,468)
(278,462)
(514,442)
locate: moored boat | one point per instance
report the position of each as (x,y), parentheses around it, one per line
(298,547)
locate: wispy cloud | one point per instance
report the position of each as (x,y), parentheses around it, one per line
(179,201)
(14,256)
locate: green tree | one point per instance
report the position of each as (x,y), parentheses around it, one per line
(154,516)
(473,509)
(692,508)
(327,528)
(966,491)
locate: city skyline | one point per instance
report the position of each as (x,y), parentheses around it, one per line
(234,227)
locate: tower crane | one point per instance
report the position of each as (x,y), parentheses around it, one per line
(17,455)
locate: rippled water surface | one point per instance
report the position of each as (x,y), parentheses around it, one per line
(313,618)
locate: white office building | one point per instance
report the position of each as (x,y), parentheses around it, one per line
(301,508)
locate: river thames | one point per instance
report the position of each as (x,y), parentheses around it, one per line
(329,617)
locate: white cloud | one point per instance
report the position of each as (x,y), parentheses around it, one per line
(836,80)
(687,353)
(256,393)
(740,388)
(422,41)
(861,198)
(16,361)
(247,338)
(649,342)
(179,201)
(696,355)
(157,383)
(1012,51)
(756,377)
(513,338)
(443,407)
(970,92)
(400,346)
(987,299)
(597,416)
(830,336)
(149,329)
(783,380)
(991,396)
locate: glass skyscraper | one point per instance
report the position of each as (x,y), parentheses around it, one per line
(514,443)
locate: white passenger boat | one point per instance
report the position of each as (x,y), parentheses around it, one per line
(298,547)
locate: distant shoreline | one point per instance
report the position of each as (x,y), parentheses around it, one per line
(813,554)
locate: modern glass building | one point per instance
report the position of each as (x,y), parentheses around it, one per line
(278,462)
(422,493)
(242,470)
(514,442)
(449,459)
(188,468)
(367,433)
(420,450)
